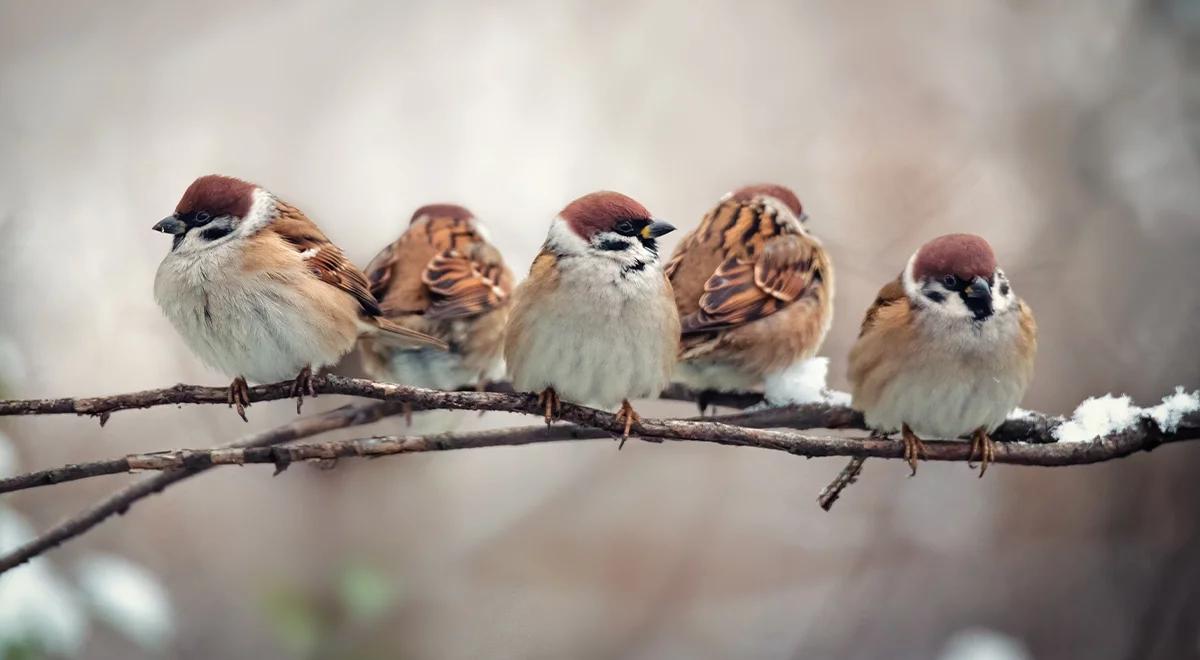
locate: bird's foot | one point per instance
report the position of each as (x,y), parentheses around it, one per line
(982,442)
(550,403)
(305,383)
(913,448)
(629,417)
(704,400)
(239,396)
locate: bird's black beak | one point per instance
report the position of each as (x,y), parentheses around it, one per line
(978,297)
(656,229)
(979,289)
(171,225)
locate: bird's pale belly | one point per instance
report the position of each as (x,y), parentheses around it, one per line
(591,354)
(254,328)
(945,402)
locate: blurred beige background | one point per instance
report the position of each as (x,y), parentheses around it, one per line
(1067,133)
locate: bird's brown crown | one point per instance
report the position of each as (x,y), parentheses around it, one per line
(452,211)
(600,211)
(781,193)
(218,195)
(963,255)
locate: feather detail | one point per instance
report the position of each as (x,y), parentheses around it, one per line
(461,287)
(323,259)
(398,335)
(745,290)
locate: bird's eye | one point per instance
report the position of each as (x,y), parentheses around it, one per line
(950,281)
(625,228)
(203,217)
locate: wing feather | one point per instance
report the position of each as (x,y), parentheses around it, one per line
(743,290)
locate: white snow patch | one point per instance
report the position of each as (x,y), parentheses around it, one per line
(838,398)
(128,598)
(1101,416)
(802,382)
(983,644)
(1170,412)
(1021,413)
(36,605)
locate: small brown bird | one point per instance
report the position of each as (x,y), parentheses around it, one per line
(444,279)
(754,290)
(595,321)
(257,291)
(946,350)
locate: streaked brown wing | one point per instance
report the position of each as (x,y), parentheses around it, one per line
(744,290)
(460,286)
(379,271)
(324,259)
(891,293)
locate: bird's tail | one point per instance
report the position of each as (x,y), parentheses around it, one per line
(394,334)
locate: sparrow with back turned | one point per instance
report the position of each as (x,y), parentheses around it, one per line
(442,278)
(946,350)
(754,290)
(257,291)
(595,321)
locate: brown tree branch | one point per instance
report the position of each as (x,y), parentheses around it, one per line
(500,397)
(101,406)
(1034,432)
(742,430)
(169,459)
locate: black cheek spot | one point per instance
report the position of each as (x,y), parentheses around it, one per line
(1004,289)
(633,267)
(213,233)
(935,296)
(612,244)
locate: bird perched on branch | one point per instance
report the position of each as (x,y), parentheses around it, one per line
(257,291)
(595,321)
(442,278)
(754,290)
(946,349)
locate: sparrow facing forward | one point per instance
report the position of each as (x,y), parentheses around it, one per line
(595,321)
(444,279)
(259,292)
(754,291)
(946,349)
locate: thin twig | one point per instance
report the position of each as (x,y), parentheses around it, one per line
(119,502)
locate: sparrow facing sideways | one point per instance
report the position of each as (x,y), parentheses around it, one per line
(259,292)
(946,349)
(595,322)
(444,279)
(754,291)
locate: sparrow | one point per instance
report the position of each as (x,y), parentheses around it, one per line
(257,291)
(754,291)
(444,279)
(595,322)
(946,349)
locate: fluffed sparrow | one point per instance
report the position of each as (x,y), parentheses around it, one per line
(946,350)
(754,291)
(257,291)
(595,322)
(442,278)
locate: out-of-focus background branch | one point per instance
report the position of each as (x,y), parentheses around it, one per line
(1066,133)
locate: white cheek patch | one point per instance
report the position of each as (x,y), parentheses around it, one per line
(1003,297)
(563,240)
(262,211)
